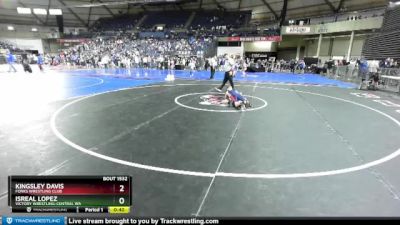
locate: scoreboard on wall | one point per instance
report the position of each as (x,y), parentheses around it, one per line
(70,194)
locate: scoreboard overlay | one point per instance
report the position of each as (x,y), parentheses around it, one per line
(75,194)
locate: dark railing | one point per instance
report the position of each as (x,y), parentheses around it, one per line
(353,74)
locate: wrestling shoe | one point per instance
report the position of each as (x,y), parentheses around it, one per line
(217,89)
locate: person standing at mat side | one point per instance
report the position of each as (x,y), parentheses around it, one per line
(229,67)
(213,66)
(40,62)
(10,60)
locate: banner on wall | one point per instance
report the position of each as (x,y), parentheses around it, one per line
(257,55)
(80,40)
(230,50)
(298,30)
(322,29)
(267,38)
(260,55)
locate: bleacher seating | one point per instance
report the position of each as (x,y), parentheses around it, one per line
(171,19)
(122,22)
(175,19)
(382,46)
(209,19)
(391,20)
(271,32)
(385,43)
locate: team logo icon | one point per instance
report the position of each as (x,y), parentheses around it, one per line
(216,100)
(9,220)
(28,209)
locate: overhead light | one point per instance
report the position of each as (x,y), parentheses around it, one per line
(39,11)
(22,10)
(56,12)
(34,29)
(10,28)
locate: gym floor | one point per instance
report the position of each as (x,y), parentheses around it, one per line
(309,146)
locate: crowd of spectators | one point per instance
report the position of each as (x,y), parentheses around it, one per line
(127,50)
(189,51)
(389,63)
(8,45)
(327,67)
(5,45)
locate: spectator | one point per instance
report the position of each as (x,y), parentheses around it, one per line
(10,60)
(292,65)
(40,62)
(213,66)
(329,67)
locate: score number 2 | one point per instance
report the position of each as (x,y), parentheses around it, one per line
(122,199)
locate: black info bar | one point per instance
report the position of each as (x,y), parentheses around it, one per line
(206,221)
(138,221)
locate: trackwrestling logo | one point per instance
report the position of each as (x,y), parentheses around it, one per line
(39,220)
(217,100)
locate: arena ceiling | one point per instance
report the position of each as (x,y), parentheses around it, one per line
(82,13)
